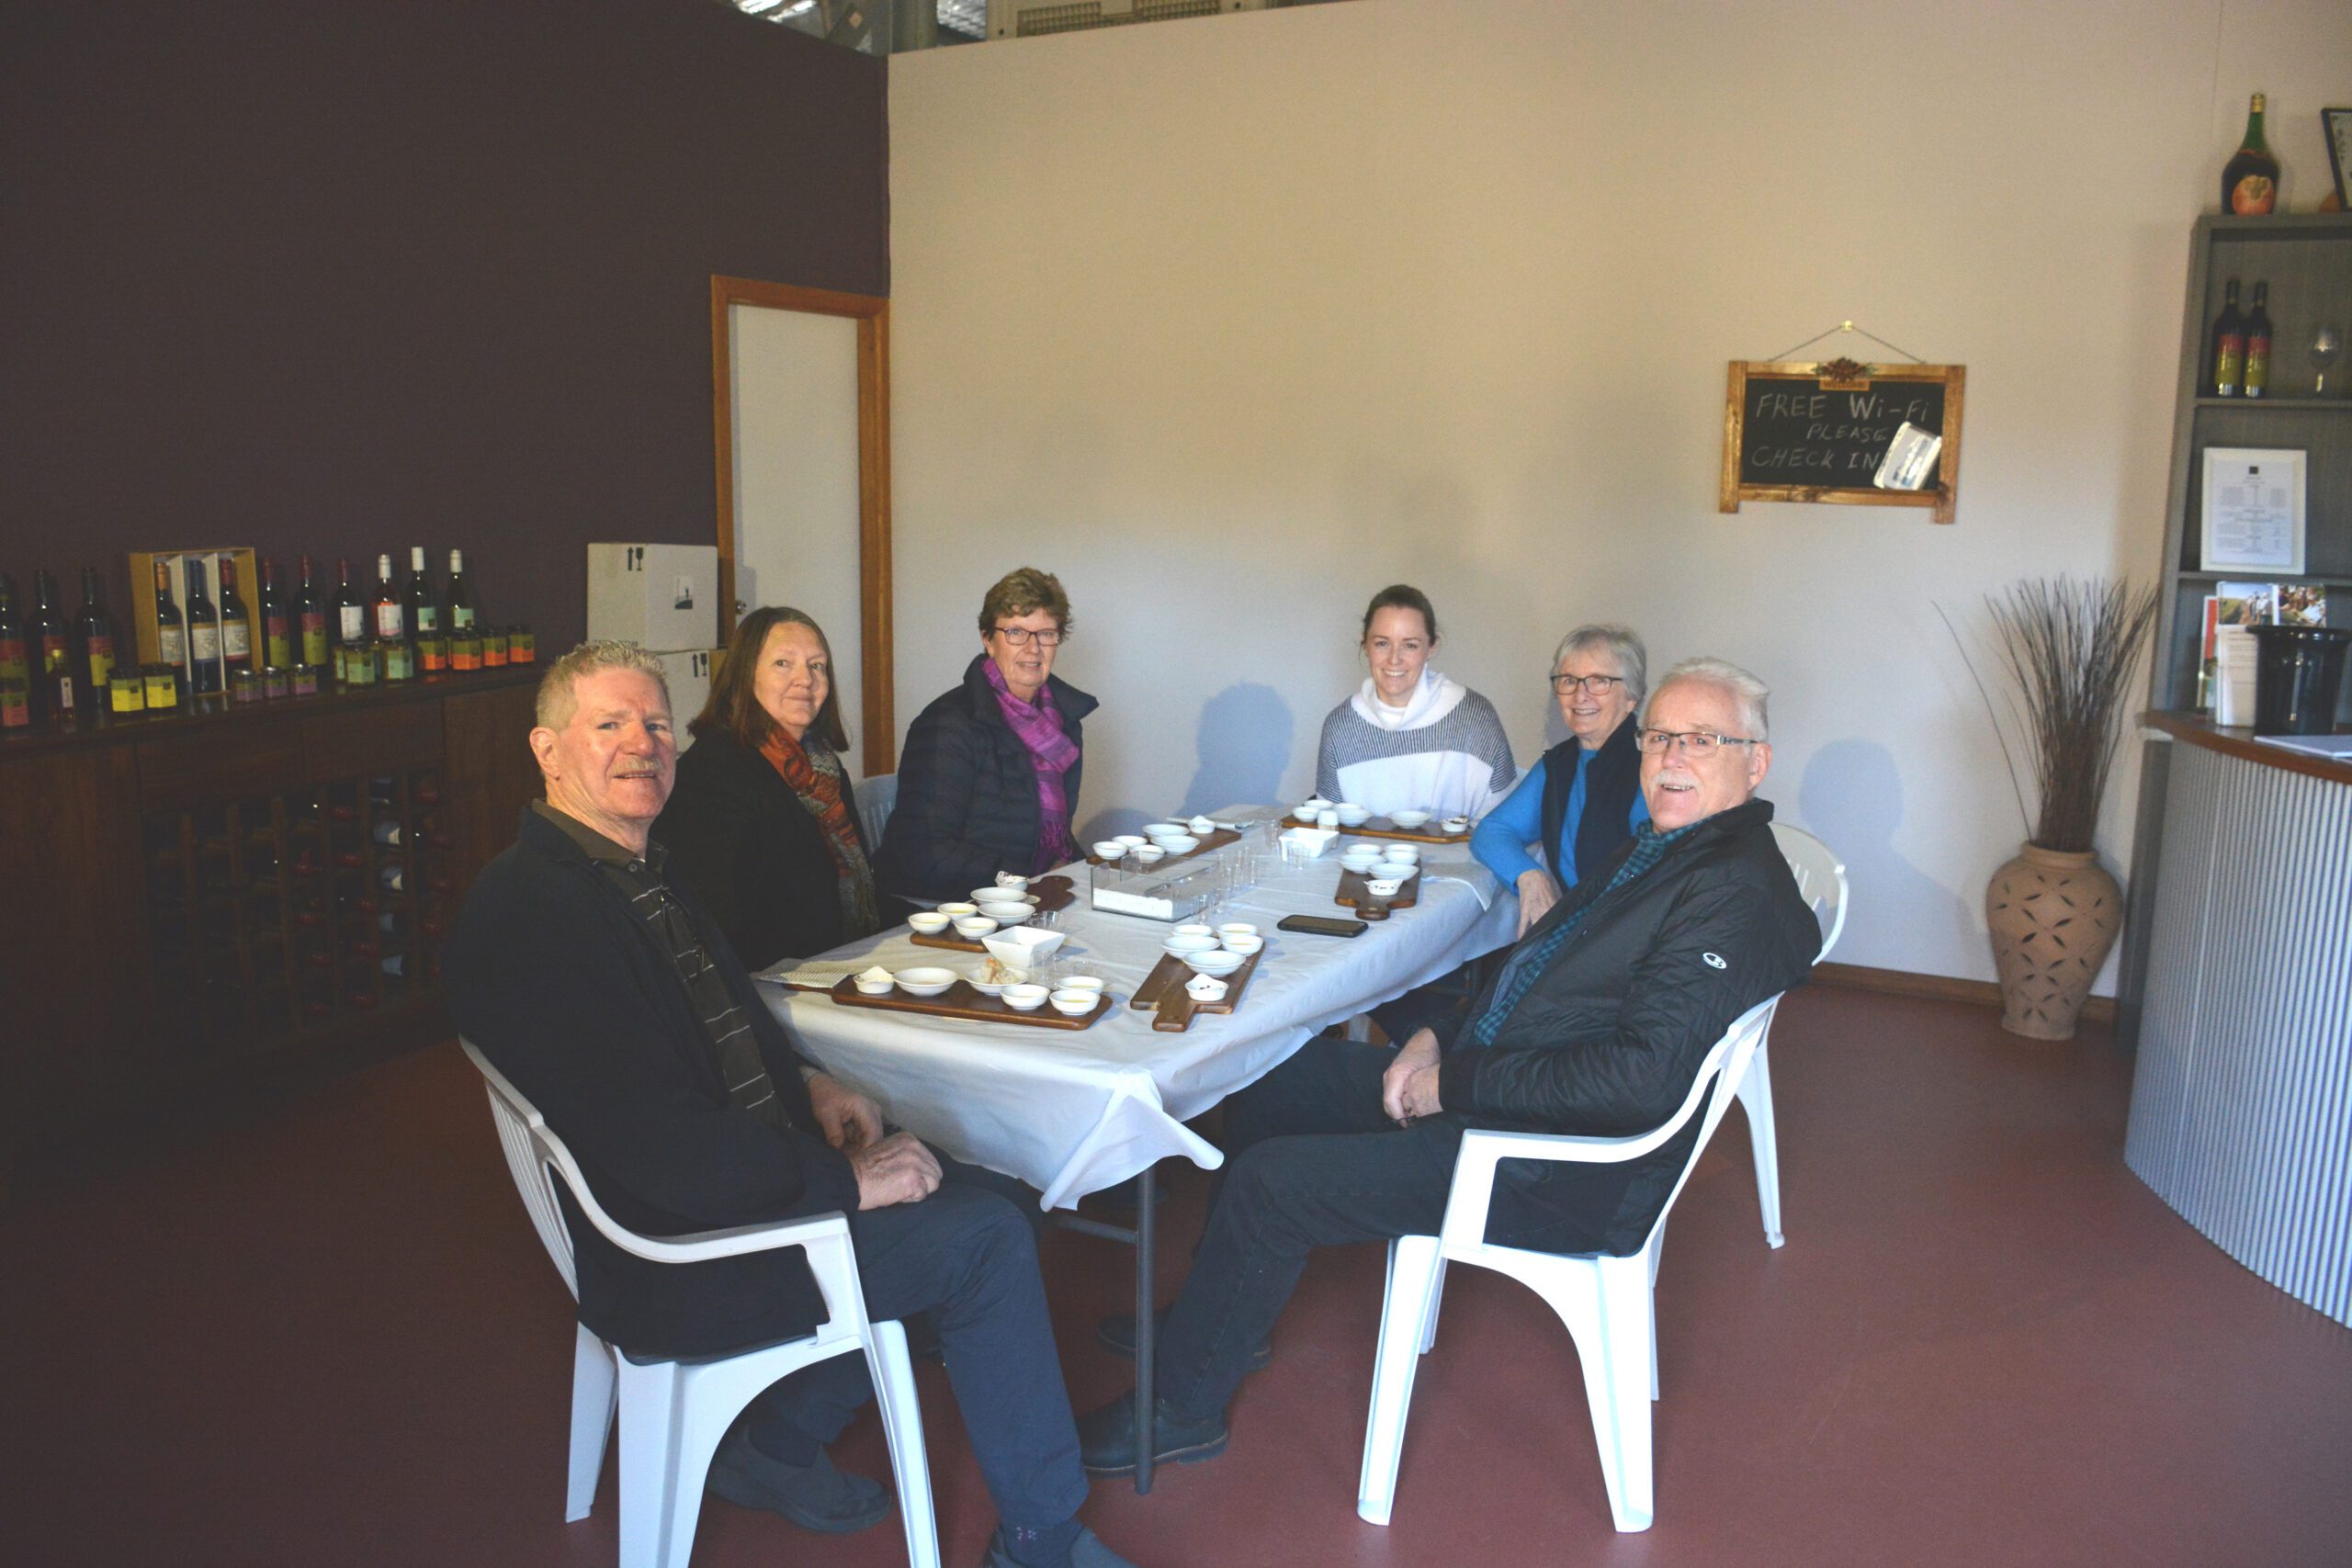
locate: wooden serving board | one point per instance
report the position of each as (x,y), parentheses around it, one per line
(959,1001)
(1354,894)
(946,939)
(1215,841)
(1163,990)
(1054,894)
(1381,827)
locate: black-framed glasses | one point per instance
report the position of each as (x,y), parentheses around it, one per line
(1593,685)
(1021,636)
(1695,742)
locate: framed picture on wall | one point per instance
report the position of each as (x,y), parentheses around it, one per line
(2336,126)
(2252,510)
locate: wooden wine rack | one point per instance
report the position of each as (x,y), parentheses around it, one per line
(200,899)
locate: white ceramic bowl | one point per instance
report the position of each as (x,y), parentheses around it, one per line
(1149,853)
(925,982)
(984,897)
(1011,882)
(1202,825)
(1244,945)
(977,978)
(1393,870)
(1400,851)
(1109,848)
(1024,997)
(1082,983)
(1193,928)
(1178,843)
(1214,961)
(1409,818)
(1352,815)
(1457,824)
(1383,886)
(1236,927)
(931,922)
(1075,1004)
(1021,948)
(1155,829)
(1205,989)
(1305,815)
(1133,840)
(1007,914)
(1317,803)
(959,907)
(874,987)
(1359,859)
(1182,945)
(972,927)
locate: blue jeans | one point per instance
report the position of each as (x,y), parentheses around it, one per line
(1313,1160)
(968,1258)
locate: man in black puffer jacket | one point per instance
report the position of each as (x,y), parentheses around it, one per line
(1597,1024)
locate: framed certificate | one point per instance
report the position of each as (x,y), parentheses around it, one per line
(2252,512)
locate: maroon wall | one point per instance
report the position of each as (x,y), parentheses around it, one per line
(345,275)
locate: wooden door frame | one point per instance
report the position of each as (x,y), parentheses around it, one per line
(877,721)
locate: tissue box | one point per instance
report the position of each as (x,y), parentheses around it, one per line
(1177,893)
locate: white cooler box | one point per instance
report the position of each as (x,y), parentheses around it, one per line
(688,673)
(658,596)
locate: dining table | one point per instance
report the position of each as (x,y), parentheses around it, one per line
(1075,1111)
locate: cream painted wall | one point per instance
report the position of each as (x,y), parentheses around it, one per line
(1231,322)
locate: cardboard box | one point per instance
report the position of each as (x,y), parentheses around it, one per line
(657,596)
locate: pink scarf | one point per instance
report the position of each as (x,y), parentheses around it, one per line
(1052,753)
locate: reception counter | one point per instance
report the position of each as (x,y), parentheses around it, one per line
(2242,1100)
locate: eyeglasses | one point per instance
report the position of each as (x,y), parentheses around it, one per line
(1021,636)
(1593,685)
(1695,742)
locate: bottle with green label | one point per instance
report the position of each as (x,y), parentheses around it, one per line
(2229,346)
(2257,344)
(15,664)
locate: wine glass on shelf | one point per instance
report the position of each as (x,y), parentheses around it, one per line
(2326,343)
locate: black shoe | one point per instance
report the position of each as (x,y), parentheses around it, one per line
(1086,1552)
(815,1495)
(1116,1334)
(1106,1438)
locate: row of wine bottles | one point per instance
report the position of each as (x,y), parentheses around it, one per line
(56,668)
(2240,356)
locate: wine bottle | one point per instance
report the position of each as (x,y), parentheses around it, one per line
(46,642)
(277,630)
(2250,180)
(94,628)
(203,632)
(350,610)
(2257,344)
(461,598)
(310,618)
(15,665)
(236,627)
(391,618)
(423,611)
(171,630)
(2229,346)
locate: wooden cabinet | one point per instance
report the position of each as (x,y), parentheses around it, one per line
(194,898)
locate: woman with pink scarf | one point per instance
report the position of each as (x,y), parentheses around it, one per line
(987,780)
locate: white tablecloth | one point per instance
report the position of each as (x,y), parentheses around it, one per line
(1071,1112)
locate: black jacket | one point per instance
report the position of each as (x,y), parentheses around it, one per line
(1608,1039)
(967,793)
(741,842)
(565,991)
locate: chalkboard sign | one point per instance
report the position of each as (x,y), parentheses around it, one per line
(1821,431)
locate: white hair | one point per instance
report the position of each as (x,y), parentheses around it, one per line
(1623,644)
(1750,694)
(558,688)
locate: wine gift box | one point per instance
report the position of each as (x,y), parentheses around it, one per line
(143,595)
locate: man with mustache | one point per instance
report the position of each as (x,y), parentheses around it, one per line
(1596,1024)
(610,999)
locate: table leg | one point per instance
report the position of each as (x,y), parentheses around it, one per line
(1146,1332)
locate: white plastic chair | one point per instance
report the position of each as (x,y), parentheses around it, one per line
(1821,881)
(877,798)
(1606,1303)
(672,1414)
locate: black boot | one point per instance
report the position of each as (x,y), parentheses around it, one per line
(1106,1438)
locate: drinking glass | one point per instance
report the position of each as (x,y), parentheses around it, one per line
(2327,341)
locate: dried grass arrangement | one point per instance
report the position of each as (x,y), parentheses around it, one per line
(2068,649)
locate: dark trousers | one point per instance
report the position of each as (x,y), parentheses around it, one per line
(968,1258)
(1313,1160)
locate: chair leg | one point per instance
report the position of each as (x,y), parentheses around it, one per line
(1756,1094)
(1429,1311)
(1626,1347)
(1657,1255)
(1414,1266)
(894,1397)
(650,1400)
(593,1388)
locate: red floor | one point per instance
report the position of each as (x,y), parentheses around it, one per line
(331,1338)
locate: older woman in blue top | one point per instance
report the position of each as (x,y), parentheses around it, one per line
(1580,804)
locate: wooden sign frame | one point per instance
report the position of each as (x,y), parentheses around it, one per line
(1846,376)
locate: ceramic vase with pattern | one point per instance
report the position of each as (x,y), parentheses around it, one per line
(2053,914)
